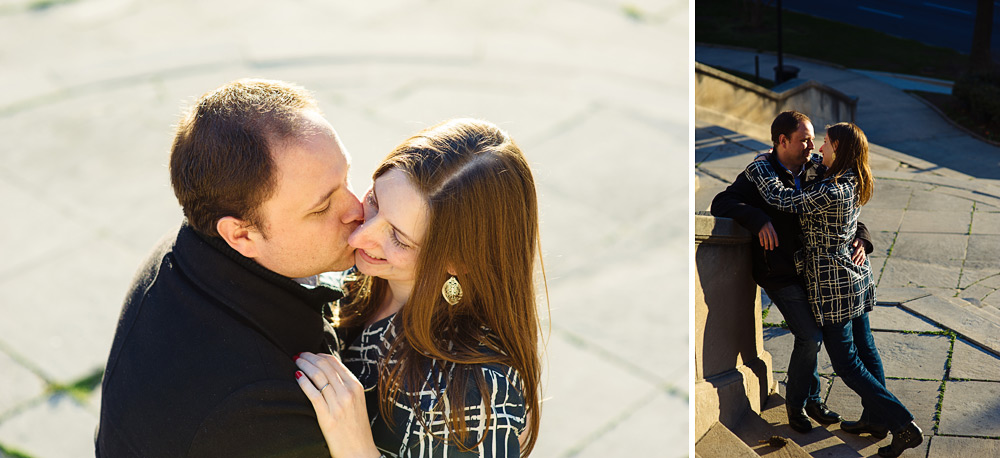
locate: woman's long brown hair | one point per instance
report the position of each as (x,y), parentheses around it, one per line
(483,224)
(851,147)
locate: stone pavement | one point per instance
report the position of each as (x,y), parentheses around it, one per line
(890,117)
(594,91)
(937,238)
(952,387)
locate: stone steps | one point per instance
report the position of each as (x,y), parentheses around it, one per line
(720,442)
(745,440)
(818,442)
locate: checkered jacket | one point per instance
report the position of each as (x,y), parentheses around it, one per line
(406,436)
(838,289)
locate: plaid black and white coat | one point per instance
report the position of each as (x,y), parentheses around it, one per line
(838,289)
(407,437)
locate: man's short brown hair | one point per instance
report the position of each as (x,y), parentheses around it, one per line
(786,123)
(221,163)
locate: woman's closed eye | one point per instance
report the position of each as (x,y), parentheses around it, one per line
(396,241)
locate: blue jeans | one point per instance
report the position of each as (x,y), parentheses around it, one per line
(855,359)
(803,380)
(864,342)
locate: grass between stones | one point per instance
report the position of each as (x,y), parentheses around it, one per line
(13,453)
(81,388)
(944,382)
(782,325)
(633,12)
(39,5)
(33,6)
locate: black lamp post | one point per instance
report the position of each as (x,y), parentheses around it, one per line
(778,72)
(781,72)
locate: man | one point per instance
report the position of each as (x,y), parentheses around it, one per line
(773,264)
(202,361)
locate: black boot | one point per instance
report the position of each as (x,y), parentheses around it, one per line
(798,420)
(863,426)
(819,412)
(908,437)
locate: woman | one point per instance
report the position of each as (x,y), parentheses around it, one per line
(442,327)
(840,291)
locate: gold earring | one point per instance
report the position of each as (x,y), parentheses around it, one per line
(452,291)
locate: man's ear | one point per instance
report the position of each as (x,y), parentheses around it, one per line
(238,234)
(782,138)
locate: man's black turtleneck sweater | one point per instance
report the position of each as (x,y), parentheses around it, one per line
(201,363)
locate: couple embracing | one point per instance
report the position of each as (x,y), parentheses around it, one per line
(812,262)
(236,340)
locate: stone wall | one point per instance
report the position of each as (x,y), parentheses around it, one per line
(737,104)
(732,370)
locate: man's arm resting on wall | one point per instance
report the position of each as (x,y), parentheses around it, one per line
(733,203)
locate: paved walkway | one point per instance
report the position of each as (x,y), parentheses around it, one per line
(936,211)
(937,242)
(889,117)
(591,90)
(951,387)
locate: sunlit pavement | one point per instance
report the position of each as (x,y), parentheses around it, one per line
(594,92)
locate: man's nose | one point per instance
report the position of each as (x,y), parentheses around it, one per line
(355,212)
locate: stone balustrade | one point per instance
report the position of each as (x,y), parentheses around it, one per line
(732,370)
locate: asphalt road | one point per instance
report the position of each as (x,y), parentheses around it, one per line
(945,23)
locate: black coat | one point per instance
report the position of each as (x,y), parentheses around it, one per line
(742,202)
(201,363)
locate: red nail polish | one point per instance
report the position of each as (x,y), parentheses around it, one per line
(298,375)
(295,358)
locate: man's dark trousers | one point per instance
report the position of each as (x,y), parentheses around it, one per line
(803,384)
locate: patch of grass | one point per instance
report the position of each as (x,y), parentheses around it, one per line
(633,12)
(940,403)
(951,352)
(13,453)
(724,22)
(944,382)
(954,110)
(932,333)
(782,325)
(763,314)
(81,388)
(39,5)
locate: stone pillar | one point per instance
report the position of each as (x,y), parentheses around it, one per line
(732,370)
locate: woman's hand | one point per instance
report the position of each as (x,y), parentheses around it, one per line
(339,401)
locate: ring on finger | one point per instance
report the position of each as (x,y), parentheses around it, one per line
(324,387)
